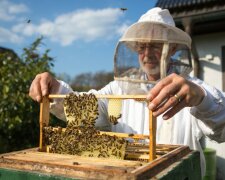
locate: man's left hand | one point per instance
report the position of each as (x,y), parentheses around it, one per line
(172,94)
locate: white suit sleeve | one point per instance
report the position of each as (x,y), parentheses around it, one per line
(211,112)
(56,107)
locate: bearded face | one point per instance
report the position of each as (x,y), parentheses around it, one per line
(149,59)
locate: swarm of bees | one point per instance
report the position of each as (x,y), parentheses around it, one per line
(85,141)
(81,109)
(80,136)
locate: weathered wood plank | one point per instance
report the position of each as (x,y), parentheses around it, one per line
(85,167)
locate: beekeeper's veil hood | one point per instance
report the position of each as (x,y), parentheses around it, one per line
(158,15)
(155,31)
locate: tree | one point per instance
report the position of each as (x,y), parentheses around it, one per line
(87,81)
(19,122)
(100,79)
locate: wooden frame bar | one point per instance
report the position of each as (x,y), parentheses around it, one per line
(44,120)
(152,136)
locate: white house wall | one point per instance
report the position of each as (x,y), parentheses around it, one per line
(209,50)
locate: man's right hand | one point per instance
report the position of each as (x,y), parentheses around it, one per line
(42,85)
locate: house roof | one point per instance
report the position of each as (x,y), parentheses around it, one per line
(206,15)
(176,4)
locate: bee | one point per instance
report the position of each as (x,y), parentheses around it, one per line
(120,155)
(130,135)
(75,163)
(123,9)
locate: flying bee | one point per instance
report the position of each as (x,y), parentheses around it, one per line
(123,9)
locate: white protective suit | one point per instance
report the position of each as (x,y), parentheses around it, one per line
(185,128)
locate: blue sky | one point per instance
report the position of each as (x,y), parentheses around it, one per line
(81,34)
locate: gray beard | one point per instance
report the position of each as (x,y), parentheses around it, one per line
(152,71)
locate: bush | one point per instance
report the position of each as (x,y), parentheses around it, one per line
(19,115)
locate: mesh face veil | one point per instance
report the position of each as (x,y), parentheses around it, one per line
(149,51)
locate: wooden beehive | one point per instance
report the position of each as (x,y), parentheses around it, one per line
(42,164)
(143,161)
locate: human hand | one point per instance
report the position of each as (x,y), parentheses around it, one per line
(42,85)
(172,94)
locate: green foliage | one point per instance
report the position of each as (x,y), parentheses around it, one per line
(19,122)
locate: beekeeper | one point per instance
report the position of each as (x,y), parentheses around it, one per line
(153,58)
